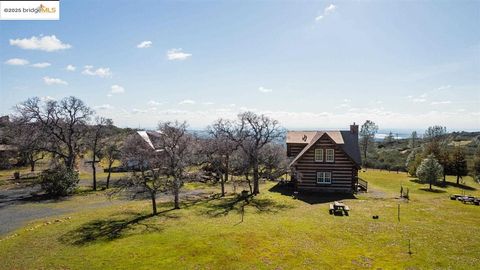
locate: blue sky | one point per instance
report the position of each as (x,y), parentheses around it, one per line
(311,64)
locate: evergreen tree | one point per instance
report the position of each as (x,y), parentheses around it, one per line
(459,163)
(429,170)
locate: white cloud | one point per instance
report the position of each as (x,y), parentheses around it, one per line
(100,72)
(52,81)
(264,90)
(208,103)
(440,102)
(43,43)
(137,111)
(444,87)
(327,11)
(145,44)
(330,9)
(70,68)
(177,54)
(17,62)
(419,100)
(154,103)
(47,98)
(41,65)
(116,89)
(187,101)
(104,107)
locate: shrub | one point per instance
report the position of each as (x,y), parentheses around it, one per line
(59,181)
(429,170)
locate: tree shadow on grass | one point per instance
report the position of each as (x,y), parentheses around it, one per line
(237,204)
(311,197)
(461,186)
(113,228)
(433,190)
(441,184)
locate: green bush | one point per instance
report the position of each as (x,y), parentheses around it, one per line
(59,181)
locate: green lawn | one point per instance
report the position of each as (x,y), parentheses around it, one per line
(278,232)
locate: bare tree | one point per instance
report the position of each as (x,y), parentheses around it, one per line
(252,132)
(145,163)
(273,161)
(413,140)
(241,165)
(111,153)
(178,153)
(29,140)
(367,135)
(217,152)
(435,140)
(63,123)
(96,133)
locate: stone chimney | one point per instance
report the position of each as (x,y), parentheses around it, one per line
(354,128)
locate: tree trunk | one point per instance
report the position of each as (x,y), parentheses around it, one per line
(154,202)
(222,183)
(109,173)
(32,165)
(175,194)
(365,146)
(458,179)
(225,178)
(249,183)
(94,170)
(256,189)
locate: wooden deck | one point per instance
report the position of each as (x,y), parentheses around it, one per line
(361,185)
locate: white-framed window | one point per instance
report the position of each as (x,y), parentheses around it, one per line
(318,155)
(330,155)
(324,177)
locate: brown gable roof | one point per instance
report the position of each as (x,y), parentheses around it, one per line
(346,140)
(306,137)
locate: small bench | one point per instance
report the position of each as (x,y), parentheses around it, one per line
(455,196)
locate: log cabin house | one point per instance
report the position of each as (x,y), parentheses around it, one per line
(324,160)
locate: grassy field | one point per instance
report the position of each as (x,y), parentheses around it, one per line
(277,232)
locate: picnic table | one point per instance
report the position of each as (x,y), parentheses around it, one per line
(339,208)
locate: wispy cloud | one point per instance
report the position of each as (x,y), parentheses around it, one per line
(71,68)
(264,90)
(444,87)
(104,107)
(43,43)
(419,100)
(187,101)
(137,111)
(144,44)
(440,102)
(154,103)
(100,72)
(41,65)
(17,62)
(327,11)
(53,81)
(117,89)
(177,54)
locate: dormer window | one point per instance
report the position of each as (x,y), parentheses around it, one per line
(318,155)
(330,156)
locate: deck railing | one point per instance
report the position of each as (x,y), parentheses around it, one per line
(362,183)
